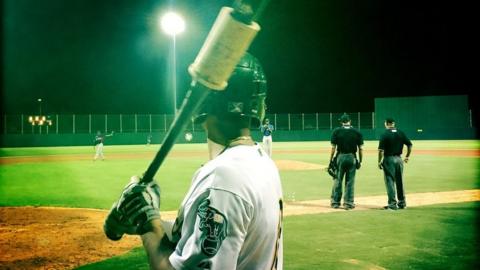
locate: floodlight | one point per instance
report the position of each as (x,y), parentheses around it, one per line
(172,23)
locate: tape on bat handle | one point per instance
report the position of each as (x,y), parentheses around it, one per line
(226,43)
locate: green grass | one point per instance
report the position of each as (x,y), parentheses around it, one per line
(84,183)
(434,237)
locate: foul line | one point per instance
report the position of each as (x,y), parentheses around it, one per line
(362,203)
(377,202)
(369,203)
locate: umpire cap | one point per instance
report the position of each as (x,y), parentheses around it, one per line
(389,120)
(344,118)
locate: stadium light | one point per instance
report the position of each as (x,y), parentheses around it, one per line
(40,105)
(40,119)
(173,24)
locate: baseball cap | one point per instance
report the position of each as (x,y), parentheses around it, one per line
(344,118)
(389,120)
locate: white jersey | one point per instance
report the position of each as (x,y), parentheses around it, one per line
(231,218)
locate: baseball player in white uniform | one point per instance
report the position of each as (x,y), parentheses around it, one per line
(267,130)
(98,142)
(231,217)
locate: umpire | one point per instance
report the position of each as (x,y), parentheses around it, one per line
(345,142)
(390,161)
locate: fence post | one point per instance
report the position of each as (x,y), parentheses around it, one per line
(106,124)
(20,123)
(303,121)
(359,120)
(193,125)
(289,122)
(135,123)
(165,122)
(121,124)
(316,117)
(73,120)
(150,121)
(471,120)
(56,126)
(274,120)
(331,123)
(373,120)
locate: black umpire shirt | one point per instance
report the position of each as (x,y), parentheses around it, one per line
(347,139)
(392,141)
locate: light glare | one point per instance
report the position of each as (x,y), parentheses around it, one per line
(172,23)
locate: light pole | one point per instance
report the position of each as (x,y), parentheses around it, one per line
(40,105)
(40,110)
(173,24)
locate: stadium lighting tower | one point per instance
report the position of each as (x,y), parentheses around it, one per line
(40,105)
(173,24)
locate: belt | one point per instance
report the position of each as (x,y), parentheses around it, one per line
(341,153)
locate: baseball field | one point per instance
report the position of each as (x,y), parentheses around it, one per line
(53,202)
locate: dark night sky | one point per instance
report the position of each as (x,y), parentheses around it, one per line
(109,56)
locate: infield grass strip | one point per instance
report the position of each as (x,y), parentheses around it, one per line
(88,184)
(443,236)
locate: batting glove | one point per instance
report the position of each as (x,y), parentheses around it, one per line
(131,214)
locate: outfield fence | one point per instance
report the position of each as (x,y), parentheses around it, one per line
(145,123)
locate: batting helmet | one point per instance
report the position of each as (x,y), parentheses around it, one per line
(244,96)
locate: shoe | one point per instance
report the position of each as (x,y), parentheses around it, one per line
(390,208)
(349,207)
(335,206)
(402,207)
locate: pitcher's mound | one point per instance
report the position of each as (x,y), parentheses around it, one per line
(55,238)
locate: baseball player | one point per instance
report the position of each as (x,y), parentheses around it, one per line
(98,144)
(390,150)
(231,217)
(267,130)
(345,141)
(149,139)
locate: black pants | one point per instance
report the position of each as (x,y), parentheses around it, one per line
(393,172)
(346,169)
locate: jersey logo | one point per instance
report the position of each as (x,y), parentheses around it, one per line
(213,226)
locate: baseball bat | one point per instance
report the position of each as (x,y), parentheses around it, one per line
(228,40)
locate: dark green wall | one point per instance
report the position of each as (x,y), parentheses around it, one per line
(424,113)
